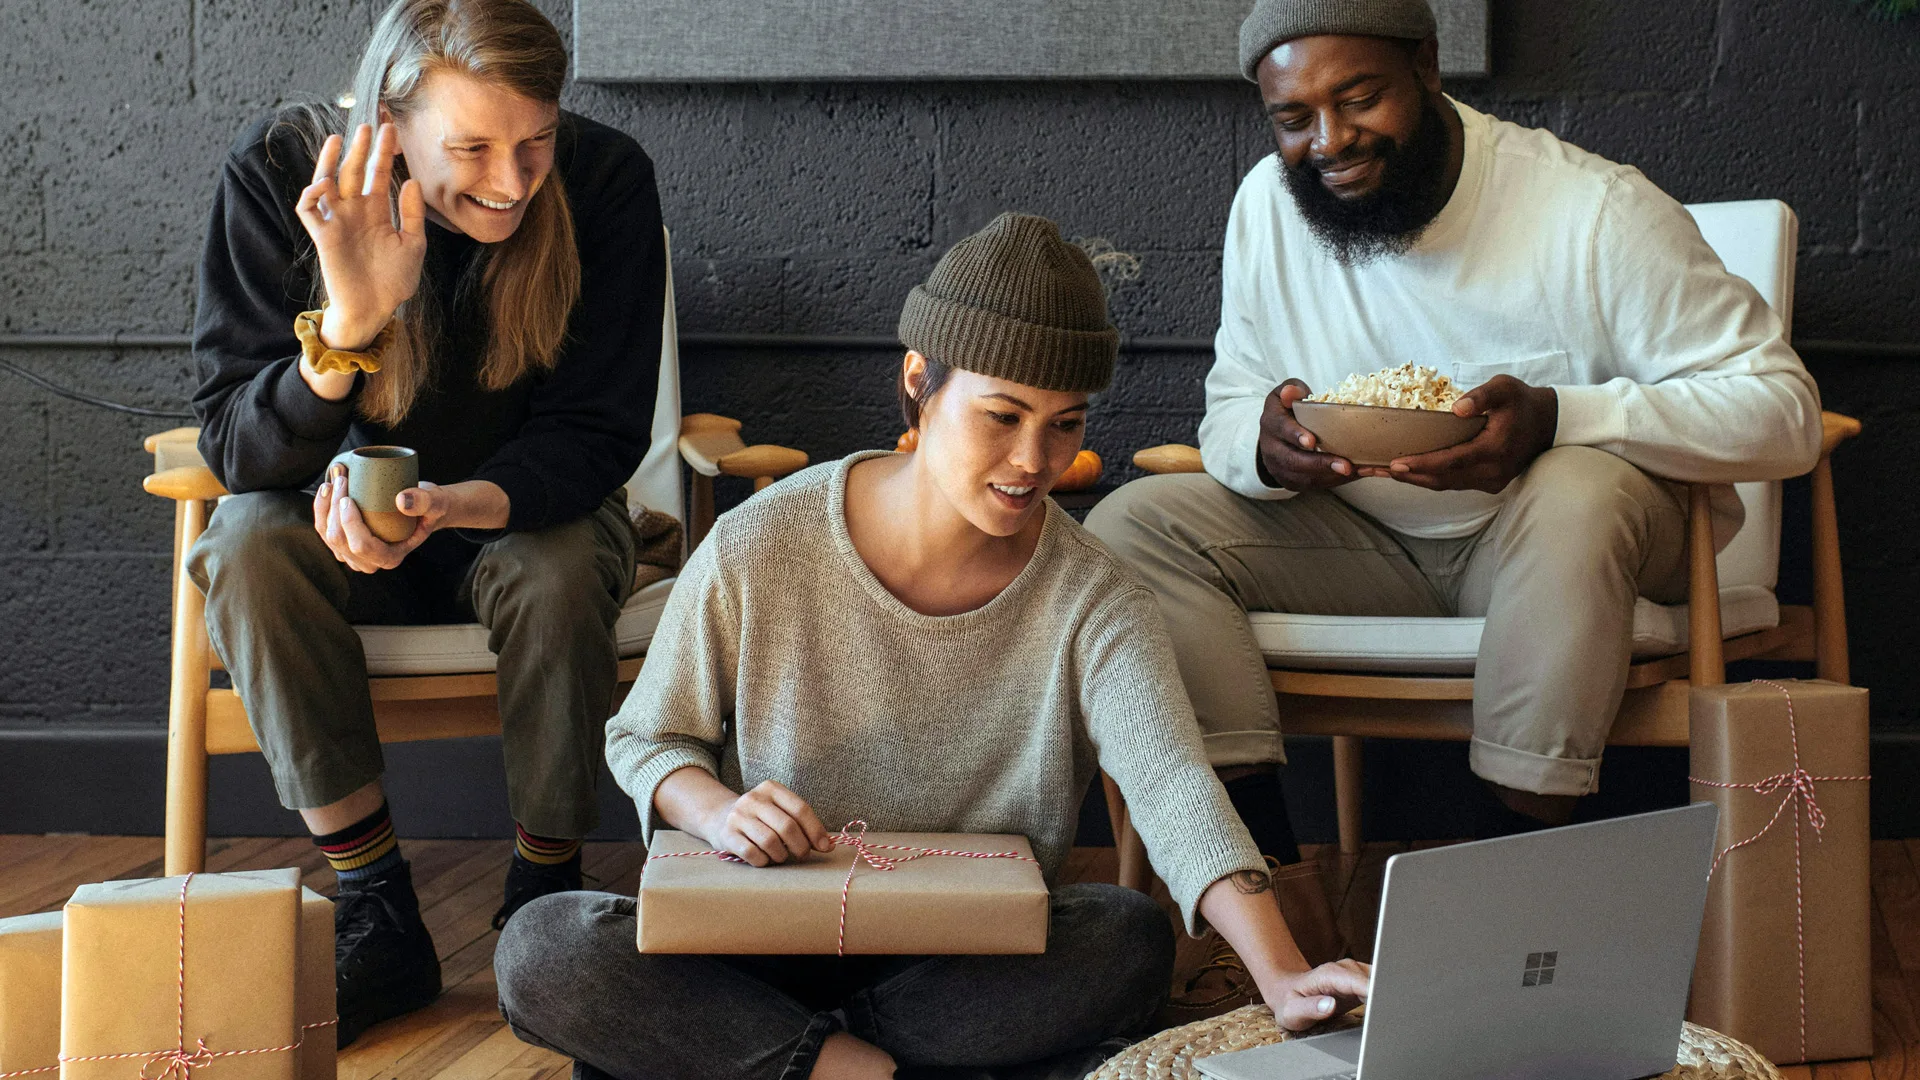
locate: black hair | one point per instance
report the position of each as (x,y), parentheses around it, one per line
(932,378)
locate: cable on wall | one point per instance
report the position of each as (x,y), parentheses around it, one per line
(88,399)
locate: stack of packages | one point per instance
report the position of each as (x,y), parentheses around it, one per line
(159,976)
(874,893)
(1784,962)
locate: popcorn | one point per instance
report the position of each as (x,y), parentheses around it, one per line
(1404,387)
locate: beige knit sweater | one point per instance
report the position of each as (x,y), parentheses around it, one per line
(780,656)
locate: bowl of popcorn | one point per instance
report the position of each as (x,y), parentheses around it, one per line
(1393,413)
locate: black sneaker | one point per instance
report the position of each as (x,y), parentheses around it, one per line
(529,881)
(383,960)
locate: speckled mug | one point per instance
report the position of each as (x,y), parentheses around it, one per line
(376,475)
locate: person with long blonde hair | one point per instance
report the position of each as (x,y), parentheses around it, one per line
(449,262)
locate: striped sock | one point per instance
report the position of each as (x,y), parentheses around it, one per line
(363,850)
(542,850)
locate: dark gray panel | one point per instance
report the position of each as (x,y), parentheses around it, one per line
(767,40)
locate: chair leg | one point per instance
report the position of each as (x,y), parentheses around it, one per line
(186,842)
(1829,596)
(1348,791)
(1132,854)
(700,514)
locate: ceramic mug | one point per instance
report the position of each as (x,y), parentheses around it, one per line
(375,475)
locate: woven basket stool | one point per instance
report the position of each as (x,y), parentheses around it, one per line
(1704,1054)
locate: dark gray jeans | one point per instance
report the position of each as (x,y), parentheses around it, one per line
(281,609)
(572,980)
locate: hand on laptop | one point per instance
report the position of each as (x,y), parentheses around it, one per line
(1300,1000)
(1241,906)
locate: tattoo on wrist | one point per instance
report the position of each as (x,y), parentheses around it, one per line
(1251,882)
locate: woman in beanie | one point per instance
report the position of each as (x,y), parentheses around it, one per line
(926,642)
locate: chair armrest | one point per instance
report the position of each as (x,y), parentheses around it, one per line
(1171,458)
(180,434)
(1836,429)
(184,484)
(712,446)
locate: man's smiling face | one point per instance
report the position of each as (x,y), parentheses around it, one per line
(1365,145)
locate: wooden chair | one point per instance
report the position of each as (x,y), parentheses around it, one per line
(1354,679)
(428,682)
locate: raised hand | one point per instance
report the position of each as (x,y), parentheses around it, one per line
(370,266)
(1290,455)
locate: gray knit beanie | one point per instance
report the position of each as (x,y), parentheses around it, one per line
(1017,302)
(1277,21)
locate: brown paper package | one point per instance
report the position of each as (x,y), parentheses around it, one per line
(313,996)
(933,905)
(1747,980)
(120,989)
(30,992)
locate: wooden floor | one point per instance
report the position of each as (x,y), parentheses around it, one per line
(461,1037)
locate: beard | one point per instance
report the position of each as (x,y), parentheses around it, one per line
(1389,220)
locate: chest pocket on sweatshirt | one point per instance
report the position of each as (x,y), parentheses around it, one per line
(1546,369)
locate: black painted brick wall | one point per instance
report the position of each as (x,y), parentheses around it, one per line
(813,208)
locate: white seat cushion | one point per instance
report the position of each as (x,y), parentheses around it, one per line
(461,648)
(1449,646)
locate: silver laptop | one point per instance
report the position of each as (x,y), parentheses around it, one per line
(1556,955)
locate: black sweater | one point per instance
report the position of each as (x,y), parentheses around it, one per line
(556,442)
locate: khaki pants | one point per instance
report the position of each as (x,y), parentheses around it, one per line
(281,609)
(1581,535)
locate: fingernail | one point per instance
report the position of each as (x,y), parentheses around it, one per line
(1324,1007)
(1306,440)
(1400,468)
(1342,468)
(406,500)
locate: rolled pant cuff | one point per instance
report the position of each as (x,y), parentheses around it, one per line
(800,1065)
(1523,770)
(1226,748)
(324,786)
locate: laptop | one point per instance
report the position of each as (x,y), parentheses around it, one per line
(1557,955)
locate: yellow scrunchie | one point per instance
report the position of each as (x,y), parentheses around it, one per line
(306,327)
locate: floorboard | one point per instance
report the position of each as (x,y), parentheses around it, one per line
(462,1036)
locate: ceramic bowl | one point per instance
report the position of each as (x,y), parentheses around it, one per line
(1372,435)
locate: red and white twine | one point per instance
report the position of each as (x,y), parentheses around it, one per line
(1798,785)
(178,1062)
(855,837)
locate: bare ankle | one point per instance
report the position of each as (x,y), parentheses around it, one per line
(844,1057)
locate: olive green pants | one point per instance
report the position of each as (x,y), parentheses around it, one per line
(1581,535)
(281,611)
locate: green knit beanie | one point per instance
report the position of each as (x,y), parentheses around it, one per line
(1017,302)
(1275,21)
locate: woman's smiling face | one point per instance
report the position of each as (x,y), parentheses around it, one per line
(479,152)
(995,447)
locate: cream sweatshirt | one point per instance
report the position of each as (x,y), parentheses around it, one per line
(780,656)
(1549,264)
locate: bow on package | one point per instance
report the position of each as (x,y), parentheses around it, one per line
(165,978)
(1784,951)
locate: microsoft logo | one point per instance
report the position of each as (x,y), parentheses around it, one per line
(1540,967)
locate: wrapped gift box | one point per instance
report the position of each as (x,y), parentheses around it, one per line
(313,995)
(30,993)
(925,905)
(124,977)
(1784,960)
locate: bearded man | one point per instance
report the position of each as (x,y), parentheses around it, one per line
(1609,350)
